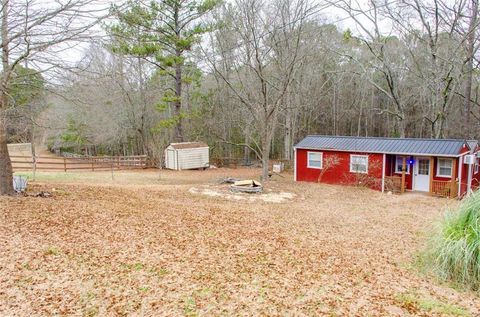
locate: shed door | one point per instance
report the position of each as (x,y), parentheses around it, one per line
(421,176)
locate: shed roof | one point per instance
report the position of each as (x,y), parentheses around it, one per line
(409,146)
(188,145)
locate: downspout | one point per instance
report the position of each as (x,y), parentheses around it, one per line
(460,168)
(383,172)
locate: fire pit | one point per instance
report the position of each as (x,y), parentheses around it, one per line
(247,186)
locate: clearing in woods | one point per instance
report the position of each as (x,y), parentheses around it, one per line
(150,244)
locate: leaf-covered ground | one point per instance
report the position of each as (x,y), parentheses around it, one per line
(143,244)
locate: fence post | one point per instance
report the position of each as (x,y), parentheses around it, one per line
(112,162)
(34,167)
(65,164)
(93,164)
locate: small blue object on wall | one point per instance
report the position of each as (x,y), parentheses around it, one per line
(410,161)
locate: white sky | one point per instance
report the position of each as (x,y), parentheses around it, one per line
(329,15)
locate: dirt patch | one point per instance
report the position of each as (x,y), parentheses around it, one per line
(139,248)
(224,191)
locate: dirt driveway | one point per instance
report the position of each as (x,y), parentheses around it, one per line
(146,244)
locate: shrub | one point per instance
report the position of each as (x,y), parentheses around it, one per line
(454,251)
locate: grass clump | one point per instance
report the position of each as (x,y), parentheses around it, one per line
(453,253)
(51,250)
(414,302)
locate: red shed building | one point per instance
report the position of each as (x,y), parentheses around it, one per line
(442,167)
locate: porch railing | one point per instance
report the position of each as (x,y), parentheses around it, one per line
(439,188)
(393,184)
(445,188)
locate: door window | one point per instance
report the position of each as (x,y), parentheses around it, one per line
(423,167)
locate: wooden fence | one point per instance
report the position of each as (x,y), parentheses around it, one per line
(236,162)
(393,184)
(439,188)
(445,188)
(227,162)
(91,163)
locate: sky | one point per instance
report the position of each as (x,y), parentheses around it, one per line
(76,51)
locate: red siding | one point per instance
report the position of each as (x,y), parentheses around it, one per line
(464,180)
(464,174)
(475,177)
(475,182)
(340,173)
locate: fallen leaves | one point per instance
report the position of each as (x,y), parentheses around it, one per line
(157,250)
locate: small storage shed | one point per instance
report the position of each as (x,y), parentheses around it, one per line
(187,155)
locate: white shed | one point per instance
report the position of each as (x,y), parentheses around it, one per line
(187,155)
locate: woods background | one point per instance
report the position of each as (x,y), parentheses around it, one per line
(249,77)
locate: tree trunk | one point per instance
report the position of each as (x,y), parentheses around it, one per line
(146,150)
(288,136)
(246,149)
(334,110)
(266,143)
(359,121)
(401,127)
(439,128)
(178,103)
(470,55)
(6,173)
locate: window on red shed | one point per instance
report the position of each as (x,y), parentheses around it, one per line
(315,160)
(444,167)
(359,163)
(399,165)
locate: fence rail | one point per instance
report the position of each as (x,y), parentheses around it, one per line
(393,184)
(445,188)
(235,162)
(92,163)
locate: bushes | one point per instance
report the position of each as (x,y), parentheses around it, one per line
(454,251)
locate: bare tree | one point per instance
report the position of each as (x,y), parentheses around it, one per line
(435,55)
(263,70)
(471,49)
(35,31)
(275,71)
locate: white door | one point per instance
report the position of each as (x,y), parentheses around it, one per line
(421,181)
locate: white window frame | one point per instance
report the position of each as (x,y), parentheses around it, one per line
(321,160)
(351,161)
(407,172)
(438,167)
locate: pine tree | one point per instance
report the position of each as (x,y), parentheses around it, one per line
(162,32)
